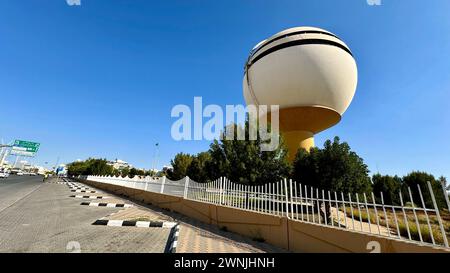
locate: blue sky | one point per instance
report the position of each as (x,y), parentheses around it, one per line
(100,79)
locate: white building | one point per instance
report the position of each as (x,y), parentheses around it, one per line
(119,164)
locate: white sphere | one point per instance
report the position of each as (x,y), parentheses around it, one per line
(302,66)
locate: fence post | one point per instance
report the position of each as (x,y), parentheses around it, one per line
(221,191)
(286,196)
(438,215)
(186,185)
(162,184)
(146,185)
(292,199)
(446,195)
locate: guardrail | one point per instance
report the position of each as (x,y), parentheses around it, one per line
(302,203)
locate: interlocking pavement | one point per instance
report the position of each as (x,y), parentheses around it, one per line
(46,219)
(196,237)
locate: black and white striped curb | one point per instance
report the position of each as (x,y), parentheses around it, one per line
(125,223)
(83,191)
(90,196)
(109,205)
(77,186)
(173,239)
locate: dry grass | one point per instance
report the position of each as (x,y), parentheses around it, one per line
(411,223)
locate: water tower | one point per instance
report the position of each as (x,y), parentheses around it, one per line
(310,73)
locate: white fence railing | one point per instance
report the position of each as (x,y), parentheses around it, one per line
(409,220)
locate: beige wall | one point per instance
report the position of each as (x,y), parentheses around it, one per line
(279,231)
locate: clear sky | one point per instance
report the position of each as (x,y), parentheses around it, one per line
(100,79)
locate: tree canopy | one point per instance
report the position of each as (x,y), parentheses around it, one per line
(390,186)
(90,166)
(417,178)
(241,161)
(180,166)
(244,161)
(197,169)
(335,167)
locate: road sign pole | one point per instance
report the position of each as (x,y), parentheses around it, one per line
(15,162)
(3,156)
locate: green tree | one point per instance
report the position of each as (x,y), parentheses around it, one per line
(417,178)
(180,165)
(116,173)
(133,172)
(243,161)
(91,166)
(77,168)
(334,168)
(125,172)
(390,186)
(99,167)
(197,169)
(443,182)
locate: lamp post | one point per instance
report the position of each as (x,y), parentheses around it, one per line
(155,157)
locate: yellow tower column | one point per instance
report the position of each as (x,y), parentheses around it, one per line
(298,139)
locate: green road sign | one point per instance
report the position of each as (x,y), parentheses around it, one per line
(25,148)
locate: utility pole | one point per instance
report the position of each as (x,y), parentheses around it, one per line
(155,157)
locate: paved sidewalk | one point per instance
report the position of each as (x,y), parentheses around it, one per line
(200,238)
(137,214)
(195,236)
(48,220)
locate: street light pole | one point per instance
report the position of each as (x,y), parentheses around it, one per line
(155,158)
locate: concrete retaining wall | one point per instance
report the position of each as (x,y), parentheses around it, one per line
(279,231)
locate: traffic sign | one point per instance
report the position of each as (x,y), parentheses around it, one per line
(25,148)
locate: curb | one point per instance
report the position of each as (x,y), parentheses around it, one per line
(109,205)
(89,196)
(83,191)
(174,234)
(124,223)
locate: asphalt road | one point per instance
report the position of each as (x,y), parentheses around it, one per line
(41,217)
(16,187)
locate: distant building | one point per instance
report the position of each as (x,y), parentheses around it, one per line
(41,170)
(119,164)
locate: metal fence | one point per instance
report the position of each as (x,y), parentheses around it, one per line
(147,183)
(410,220)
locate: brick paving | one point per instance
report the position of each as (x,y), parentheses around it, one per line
(135,214)
(195,236)
(47,220)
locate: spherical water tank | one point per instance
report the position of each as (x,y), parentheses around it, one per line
(310,73)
